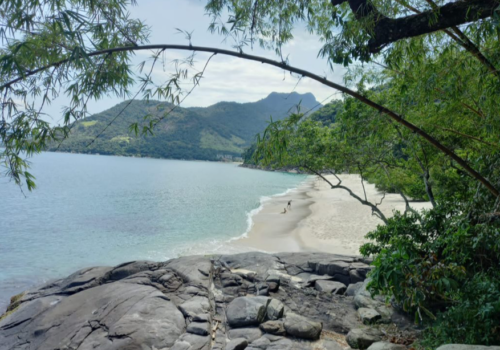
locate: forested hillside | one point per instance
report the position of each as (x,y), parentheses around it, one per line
(223,129)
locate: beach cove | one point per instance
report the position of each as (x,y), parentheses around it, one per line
(321,219)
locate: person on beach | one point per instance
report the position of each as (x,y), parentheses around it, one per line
(284,211)
(289,206)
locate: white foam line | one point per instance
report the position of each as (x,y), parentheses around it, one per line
(255,211)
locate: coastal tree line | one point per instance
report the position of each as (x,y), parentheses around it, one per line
(419,117)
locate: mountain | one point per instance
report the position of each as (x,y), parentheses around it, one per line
(203,133)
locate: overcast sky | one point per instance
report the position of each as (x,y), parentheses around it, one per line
(226,78)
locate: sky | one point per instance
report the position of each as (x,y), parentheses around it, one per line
(226,78)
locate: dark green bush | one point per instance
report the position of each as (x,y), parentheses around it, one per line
(444,268)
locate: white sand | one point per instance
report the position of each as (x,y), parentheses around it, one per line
(322,219)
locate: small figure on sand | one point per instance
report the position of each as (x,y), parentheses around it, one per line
(289,206)
(284,211)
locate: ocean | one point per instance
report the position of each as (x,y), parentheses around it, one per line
(91,210)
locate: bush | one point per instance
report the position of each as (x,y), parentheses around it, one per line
(442,267)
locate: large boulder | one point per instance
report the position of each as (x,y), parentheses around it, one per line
(302,327)
(111,316)
(362,338)
(247,311)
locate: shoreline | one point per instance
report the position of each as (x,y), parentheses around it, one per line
(321,219)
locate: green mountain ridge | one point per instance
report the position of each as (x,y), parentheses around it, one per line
(197,133)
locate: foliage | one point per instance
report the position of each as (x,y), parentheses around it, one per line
(440,266)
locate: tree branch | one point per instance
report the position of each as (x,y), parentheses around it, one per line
(383,110)
(388,30)
(375,210)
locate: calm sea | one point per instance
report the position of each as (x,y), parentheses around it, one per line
(98,210)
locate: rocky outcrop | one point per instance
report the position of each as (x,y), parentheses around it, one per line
(244,301)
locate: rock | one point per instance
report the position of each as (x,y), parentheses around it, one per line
(196,342)
(331,287)
(260,343)
(202,318)
(275,309)
(312,279)
(246,311)
(199,328)
(383,345)
(362,338)
(352,289)
(356,276)
(237,344)
(331,267)
(301,327)
(273,327)
(273,281)
(342,278)
(195,306)
(283,344)
(369,316)
(467,347)
(262,289)
(330,345)
(114,315)
(249,334)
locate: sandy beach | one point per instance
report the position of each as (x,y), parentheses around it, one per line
(321,219)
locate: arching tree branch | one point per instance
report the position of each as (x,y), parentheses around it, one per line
(383,110)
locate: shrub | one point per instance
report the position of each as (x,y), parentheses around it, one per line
(444,268)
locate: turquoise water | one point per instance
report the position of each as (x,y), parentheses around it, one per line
(97,210)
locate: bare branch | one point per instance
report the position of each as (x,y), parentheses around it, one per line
(375,210)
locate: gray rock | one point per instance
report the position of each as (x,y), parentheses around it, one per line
(196,342)
(467,347)
(246,311)
(199,328)
(301,327)
(249,334)
(260,343)
(195,306)
(202,318)
(273,281)
(362,338)
(331,267)
(342,278)
(356,276)
(331,287)
(353,288)
(331,345)
(273,327)
(369,316)
(284,344)
(115,315)
(237,344)
(383,345)
(275,309)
